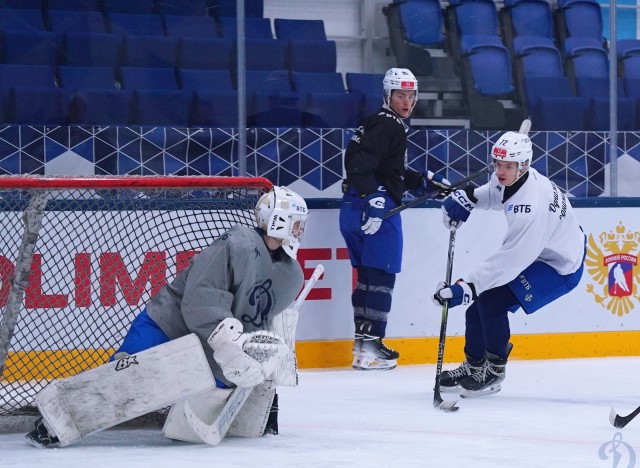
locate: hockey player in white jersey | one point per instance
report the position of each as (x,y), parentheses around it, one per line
(223,300)
(541,259)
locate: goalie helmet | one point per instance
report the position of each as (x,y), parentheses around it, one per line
(399,78)
(281,213)
(514,147)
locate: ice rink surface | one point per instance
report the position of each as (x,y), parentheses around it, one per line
(548,414)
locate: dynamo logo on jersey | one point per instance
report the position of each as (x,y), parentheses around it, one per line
(262,300)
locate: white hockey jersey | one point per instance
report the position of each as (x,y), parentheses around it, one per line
(542,226)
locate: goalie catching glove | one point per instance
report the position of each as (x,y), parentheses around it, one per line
(246,359)
(458,293)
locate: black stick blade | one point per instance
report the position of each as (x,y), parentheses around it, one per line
(446,406)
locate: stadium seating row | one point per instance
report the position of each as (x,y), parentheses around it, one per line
(89,49)
(216,8)
(183,97)
(553,63)
(63,21)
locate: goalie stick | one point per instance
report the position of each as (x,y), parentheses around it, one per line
(621,421)
(212,434)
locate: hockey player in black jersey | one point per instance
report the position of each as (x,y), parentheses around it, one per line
(377,176)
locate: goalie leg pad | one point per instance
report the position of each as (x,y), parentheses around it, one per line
(252,418)
(118,391)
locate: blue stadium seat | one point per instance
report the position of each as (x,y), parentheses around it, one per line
(28,76)
(579,18)
(268,80)
(319,92)
(529,17)
(29,47)
(265,54)
(597,90)
(150,51)
(490,68)
(254,28)
(300,29)
(21,20)
(148,78)
(72,5)
(62,21)
(228,8)
(553,106)
(321,82)
(333,110)
(36,106)
(100,107)
(273,101)
(369,85)
(415,26)
(422,22)
(136,24)
(205,79)
(215,109)
(86,77)
(538,56)
(628,51)
(478,17)
(311,56)
(586,57)
(129,7)
(204,53)
(91,50)
(21,4)
(184,7)
(156,107)
(196,26)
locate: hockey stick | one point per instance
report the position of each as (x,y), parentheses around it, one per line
(212,434)
(621,421)
(435,193)
(438,402)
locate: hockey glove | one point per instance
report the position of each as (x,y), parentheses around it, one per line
(458,293)
(373,213)
(456,209)
(238,367)
(431,181)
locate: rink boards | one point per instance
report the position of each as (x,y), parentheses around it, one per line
(598,318)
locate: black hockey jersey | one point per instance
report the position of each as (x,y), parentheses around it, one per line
(376,155)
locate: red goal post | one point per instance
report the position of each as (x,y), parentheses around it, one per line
(81,256)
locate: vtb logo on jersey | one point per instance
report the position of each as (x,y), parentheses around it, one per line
(612,266)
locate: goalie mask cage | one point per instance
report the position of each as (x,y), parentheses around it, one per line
(81,256)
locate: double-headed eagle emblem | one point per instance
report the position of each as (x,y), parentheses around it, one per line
(611,263)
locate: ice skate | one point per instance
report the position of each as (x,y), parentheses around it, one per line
(450,380)
(372,354)
(486,380)
(357,344)
(40,436)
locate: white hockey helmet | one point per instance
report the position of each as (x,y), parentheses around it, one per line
(281,213)
(514,147)
(399,78)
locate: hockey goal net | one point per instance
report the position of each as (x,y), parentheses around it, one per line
(80,257)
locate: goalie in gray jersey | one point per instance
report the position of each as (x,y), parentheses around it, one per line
(229,291)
